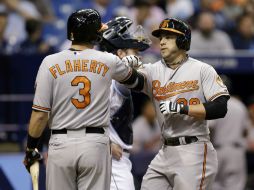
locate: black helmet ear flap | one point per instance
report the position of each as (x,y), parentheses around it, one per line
(183,42)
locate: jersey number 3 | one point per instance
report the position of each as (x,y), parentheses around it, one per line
(85,92)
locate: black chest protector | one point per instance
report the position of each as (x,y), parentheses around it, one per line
(122,120)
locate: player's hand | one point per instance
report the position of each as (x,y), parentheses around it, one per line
(168,107)
(132,61)
(117,151)
(32,155)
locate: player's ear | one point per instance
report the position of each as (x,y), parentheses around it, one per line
(121,53)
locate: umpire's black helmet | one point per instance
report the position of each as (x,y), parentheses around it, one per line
(178,27)
(84,26)
(117,36)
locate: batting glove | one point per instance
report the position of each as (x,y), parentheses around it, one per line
(168,107)
(32,155)
(132,61)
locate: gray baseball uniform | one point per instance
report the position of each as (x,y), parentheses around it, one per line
(191,166)
(74,87)
(230,143)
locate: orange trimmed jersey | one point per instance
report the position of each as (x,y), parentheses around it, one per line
(74,87)
(193,82)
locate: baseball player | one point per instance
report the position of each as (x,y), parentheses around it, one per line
(118,40)
(186,92)
(231,147)
(72,95)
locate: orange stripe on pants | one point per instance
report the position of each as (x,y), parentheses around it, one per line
(204,167)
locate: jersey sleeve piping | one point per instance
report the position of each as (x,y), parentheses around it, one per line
(218,95)
(128,76)
(40,108)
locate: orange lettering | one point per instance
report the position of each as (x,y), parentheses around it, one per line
(93,66)
(77,66)
(84,65)
(105,70)
(68,66)
(99,68)
(59,70)
(53,71)
(172,88)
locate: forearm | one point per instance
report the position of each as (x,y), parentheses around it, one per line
(136,81)
(38,123)
(197,111)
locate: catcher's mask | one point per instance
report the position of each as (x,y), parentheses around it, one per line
(118,36)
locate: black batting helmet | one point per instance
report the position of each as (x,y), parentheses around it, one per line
(178,27)
(117,36)
(84,26)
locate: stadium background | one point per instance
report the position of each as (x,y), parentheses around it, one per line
(29,30)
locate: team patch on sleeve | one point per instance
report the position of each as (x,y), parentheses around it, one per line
(39,108)
(220,82)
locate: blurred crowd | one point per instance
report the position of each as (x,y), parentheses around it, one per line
(39,27)
(29,26)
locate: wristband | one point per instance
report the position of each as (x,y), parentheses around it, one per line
(32,142)
(184,109)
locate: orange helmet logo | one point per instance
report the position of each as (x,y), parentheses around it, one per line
(164,24)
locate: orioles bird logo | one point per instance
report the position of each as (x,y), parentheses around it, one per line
(220,81)
(164,24)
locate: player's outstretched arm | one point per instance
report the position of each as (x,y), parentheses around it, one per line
(136,80)
(132,61)
(37,124)
(210,110)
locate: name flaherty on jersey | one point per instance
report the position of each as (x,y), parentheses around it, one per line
(79,65)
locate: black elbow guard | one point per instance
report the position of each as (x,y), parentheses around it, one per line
(135,81)
(217,108)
